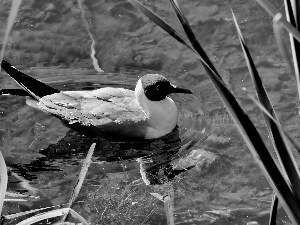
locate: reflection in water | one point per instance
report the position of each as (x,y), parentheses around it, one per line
(156,157)
(95,61)
(12,16)
(159,159)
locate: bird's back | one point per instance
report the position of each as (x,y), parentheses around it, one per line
(105,112)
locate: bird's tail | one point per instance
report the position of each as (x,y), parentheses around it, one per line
(18,92)
(31,86)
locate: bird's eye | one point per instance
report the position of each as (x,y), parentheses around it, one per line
(157,87)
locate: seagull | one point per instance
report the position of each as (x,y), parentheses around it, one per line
(110,113)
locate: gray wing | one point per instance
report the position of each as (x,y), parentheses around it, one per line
(99,107)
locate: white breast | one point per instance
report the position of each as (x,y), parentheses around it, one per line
(163,116)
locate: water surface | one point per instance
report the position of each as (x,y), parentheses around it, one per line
(50,42)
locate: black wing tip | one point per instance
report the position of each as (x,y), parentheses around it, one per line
(32,86)
(9,68)
(5,64)
(15,92)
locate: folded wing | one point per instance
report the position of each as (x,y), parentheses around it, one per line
(98,107)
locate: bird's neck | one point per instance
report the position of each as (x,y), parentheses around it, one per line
(162,116)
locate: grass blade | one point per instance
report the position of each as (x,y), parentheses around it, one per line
(242,121)
(282,48)
(289,12)
(254,142)
(79,217)
(166,27)
(85,166)
(273,213)
(11,18)
(3,181)
(293,142)
(160,22)
(191,36)
(44,216)
(292,13)
(279,140)
(169,203)
(283,22)
(93,52)
(16,215)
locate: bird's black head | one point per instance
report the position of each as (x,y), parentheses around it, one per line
(157,87)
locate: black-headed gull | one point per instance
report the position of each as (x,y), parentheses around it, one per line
(112,113)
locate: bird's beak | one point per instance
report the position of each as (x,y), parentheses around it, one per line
(180,90)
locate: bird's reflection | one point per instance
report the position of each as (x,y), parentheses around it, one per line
(154,156)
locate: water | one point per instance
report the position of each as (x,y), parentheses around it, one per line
(50,42)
